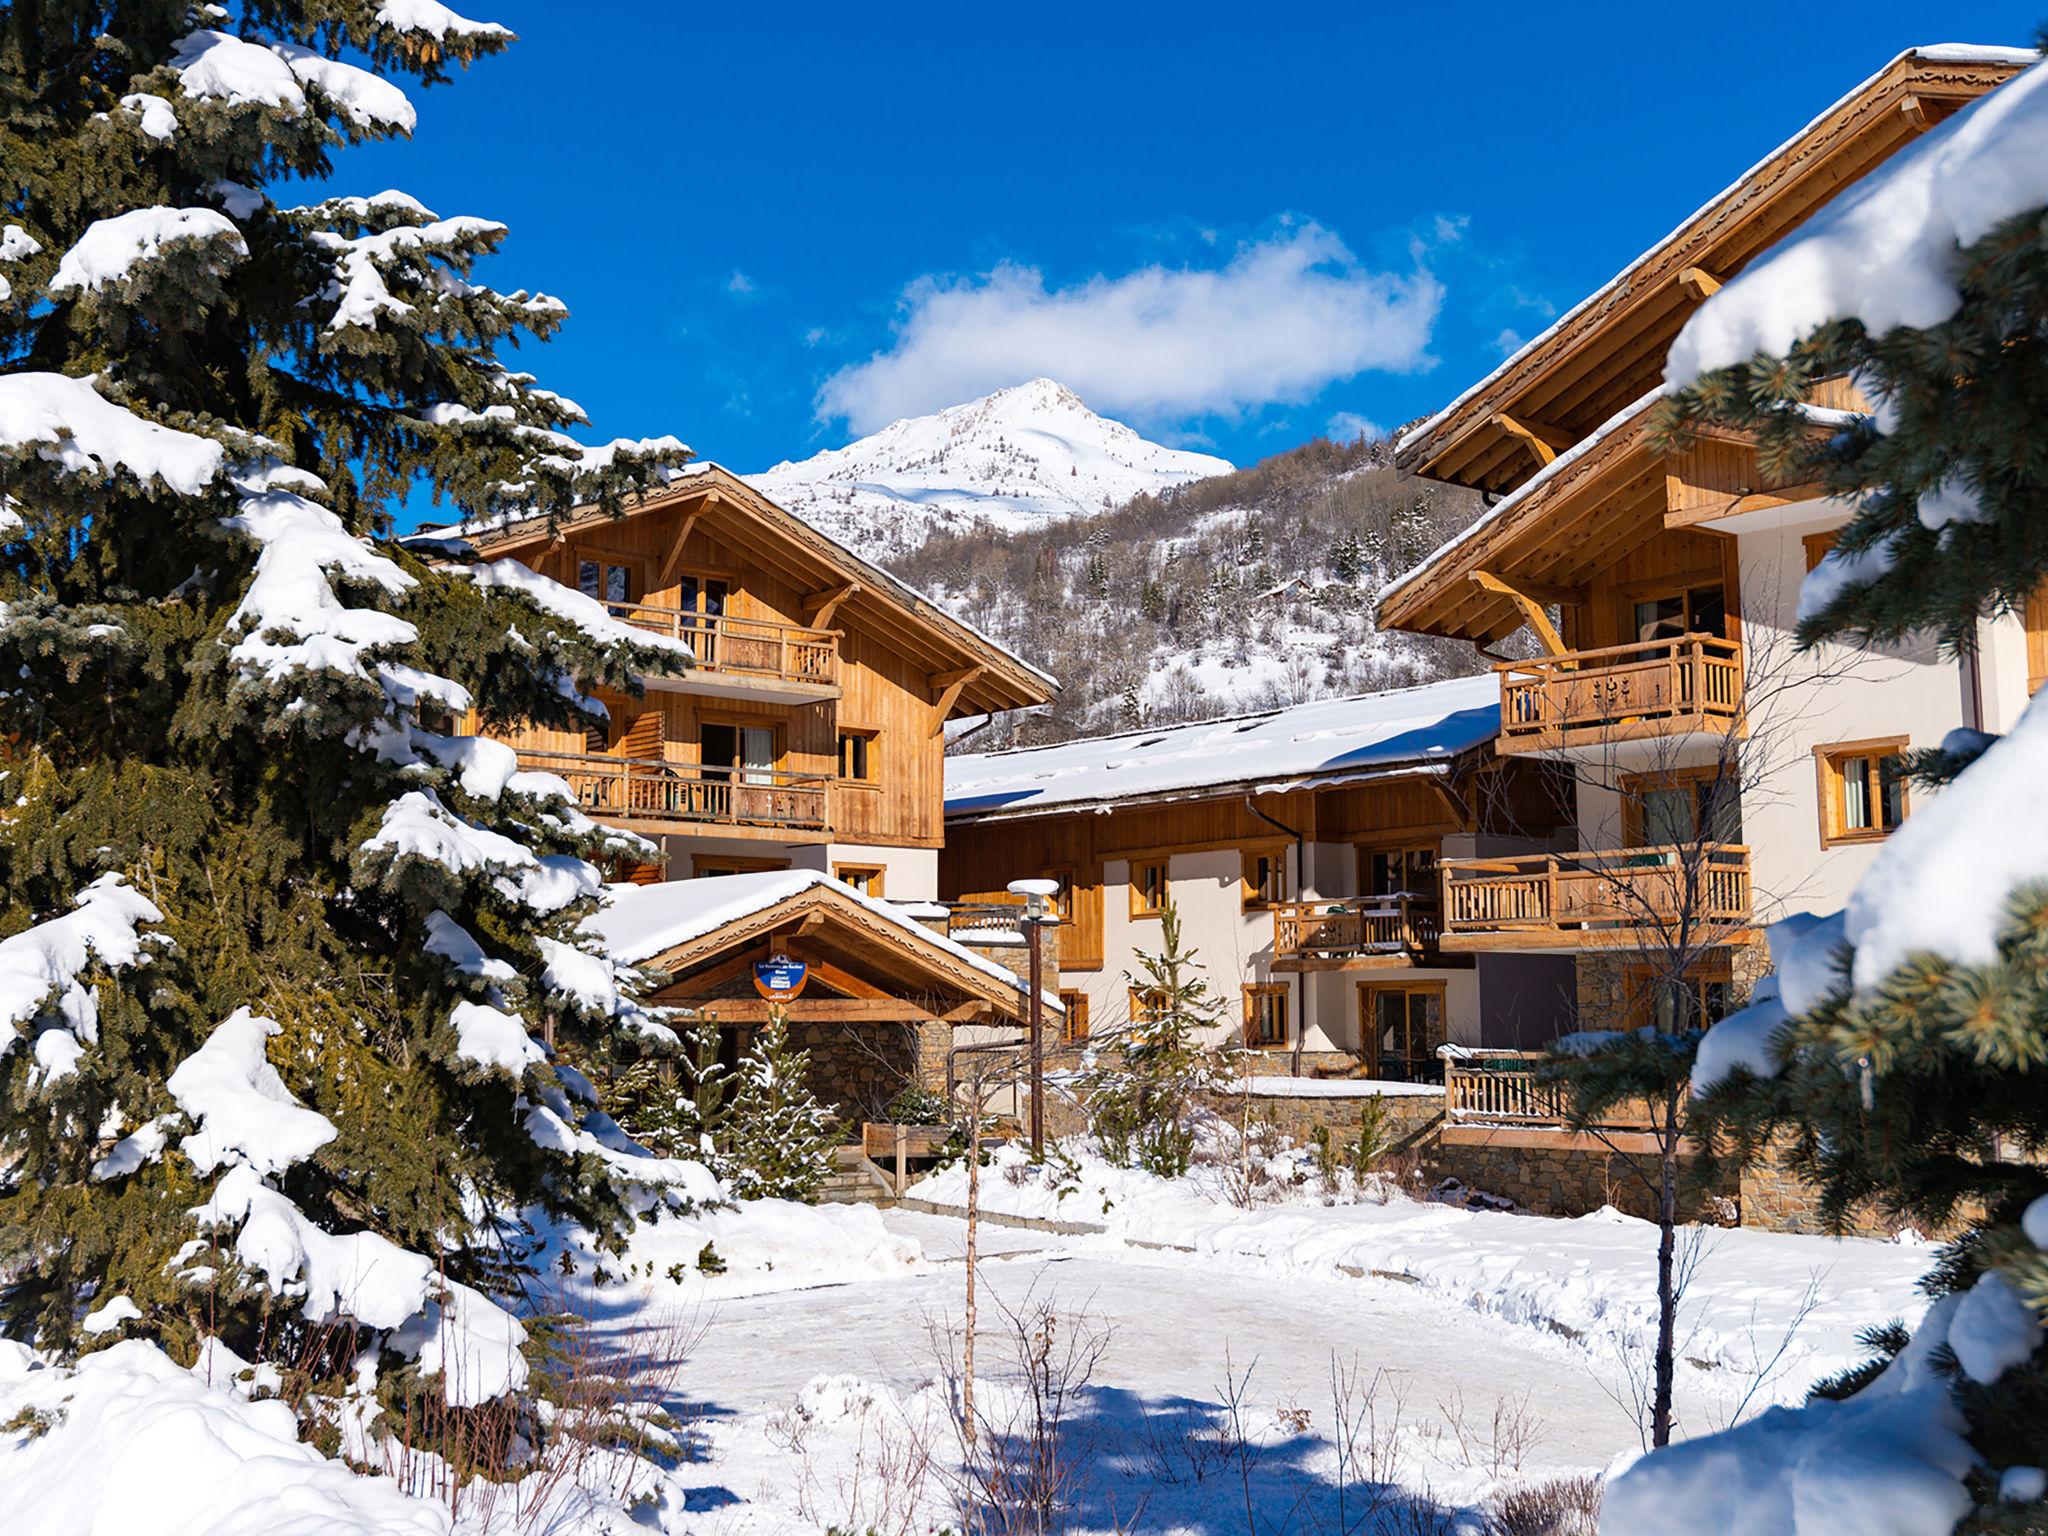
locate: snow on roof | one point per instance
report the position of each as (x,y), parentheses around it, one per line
(1884,252)
(638,922)
(1521,493)
(1329,738)
(1939,53)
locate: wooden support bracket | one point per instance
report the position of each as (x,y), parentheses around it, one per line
(1700,283)
(949,686)
(1532,599)
(1545,442)
(819,607)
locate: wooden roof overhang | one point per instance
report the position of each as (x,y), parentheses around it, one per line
(1610,349)
(863,967)
(969,673)
(1548,539)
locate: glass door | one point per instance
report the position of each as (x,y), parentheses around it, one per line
(1403,1028)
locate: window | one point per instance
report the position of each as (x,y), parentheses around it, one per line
(1148,887)
(859,763)
(865,878)
(1402,1028)
(1819,546)
(1265,877)
(1391,873)
(2035,621)
(1862,790)
(1682,808)
(1265,1015)
(745,753)
(606,582)
(1074,1027)
(703,602)
(1148,1005)
(1671,1004)
(1698,610)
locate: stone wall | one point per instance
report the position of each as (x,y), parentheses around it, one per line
(1413,1119)
(1777,1200)
(856,1069)
(1561,1173)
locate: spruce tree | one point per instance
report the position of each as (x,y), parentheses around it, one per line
(1140,1098)
(1914,1082)
(274,931)
(778,1138)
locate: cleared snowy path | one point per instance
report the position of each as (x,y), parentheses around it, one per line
(1173,1316)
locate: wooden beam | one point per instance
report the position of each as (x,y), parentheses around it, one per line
(673,561)
(1532,610)
(734,968)
(819,607)
(1699,282)
(1545,442)
(1914,111)
(824,1010)
(950,686)
(1735,506)
(843,979)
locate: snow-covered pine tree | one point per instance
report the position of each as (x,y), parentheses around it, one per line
(276,934)
(1900,1054)
(778,1138)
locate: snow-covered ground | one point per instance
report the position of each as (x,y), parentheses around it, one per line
(810,1358)
(1018,458)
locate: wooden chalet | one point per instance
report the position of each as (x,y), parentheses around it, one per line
(806,728)
(1642,577)
(1300,848)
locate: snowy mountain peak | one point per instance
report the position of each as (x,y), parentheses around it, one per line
(1018,458)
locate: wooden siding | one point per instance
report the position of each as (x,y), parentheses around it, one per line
(881,691)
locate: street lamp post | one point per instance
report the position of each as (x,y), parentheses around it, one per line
(1037,896)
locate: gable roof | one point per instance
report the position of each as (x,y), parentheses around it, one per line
(1609,349)
(886,606)
(1329,741)
(678,924)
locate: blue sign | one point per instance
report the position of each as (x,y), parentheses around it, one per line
(779,978)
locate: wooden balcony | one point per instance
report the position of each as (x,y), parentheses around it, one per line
(741,658)
(1620,899)
(653,795)
(1621,693)
(1365,933)
(1496,1098)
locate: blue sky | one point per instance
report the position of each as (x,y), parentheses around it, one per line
(779,225)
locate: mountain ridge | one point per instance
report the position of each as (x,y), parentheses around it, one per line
(1017,459)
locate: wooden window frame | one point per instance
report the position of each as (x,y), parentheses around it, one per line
(876,874)
(1141,1012)
(1279,992)
(744,723)
(1251,897)
(1634,786)
(1136,885)
(1834,833)
(1818,546)
(2034,621)
(1368,851)
(1368,1014)
(1638,978)
(1682,585)
(608,560)
(873,738)
(1074,1024)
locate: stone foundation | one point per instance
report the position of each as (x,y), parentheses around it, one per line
(1778,1200)
(1561,1173)
(856,1069)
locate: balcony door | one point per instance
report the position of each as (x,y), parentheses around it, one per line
(742,754)
(1701,610)
(1401,1028)
(1680,809)
(611,581)
(702,600)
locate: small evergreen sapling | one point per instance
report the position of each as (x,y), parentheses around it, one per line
(779,1139)
(1141,1096)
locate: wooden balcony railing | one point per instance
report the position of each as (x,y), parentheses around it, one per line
(1653,688)
(1364,926)
(1619,893)
(1502,1087)
(652,790)
(751,648)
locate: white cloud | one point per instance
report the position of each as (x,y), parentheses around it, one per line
(1509,342)
(1282,319)
(739,283)
(1349,427)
